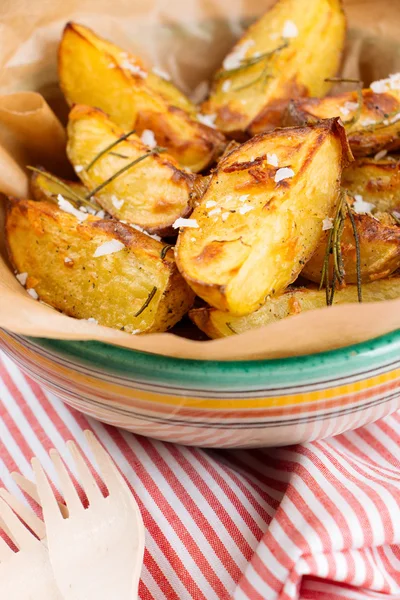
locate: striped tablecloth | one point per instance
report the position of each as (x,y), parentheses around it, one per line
(319,521)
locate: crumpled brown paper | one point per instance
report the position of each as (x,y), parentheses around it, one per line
(189,40)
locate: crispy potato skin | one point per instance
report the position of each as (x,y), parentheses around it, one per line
(263,232)
(93,71)
(110,288)
(45,189)
(377,181)
(155,191)
(216,323)
(368,134)
(379,247)
(250,103)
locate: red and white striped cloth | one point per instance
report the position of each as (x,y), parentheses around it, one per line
(319,521)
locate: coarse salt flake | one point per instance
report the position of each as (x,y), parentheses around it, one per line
(226,86)
(91,320)
(100,214)
(290,30)
(272,160)
(22,277)
(116,202)
(210,203)
(154,236)
(235,58)
(225,215)
(245,209)
(244,197)
(284,173)
(327,224)
(360,206)
(67,207)
(368,122)
(384,85)
(108,248)
(78,168)
(148,138)
(135,69)
(33,293)
(161,73)
(348,107)
(214,211)
(181,222)
(380,155)
(68,260)
(208,120)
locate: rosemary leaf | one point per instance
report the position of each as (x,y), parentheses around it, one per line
(344,80)
(358,253)
(149,299)
(108,148)
(72,195)
(246,63)
(165,250)
(119,155)
(156,150)
(229,326)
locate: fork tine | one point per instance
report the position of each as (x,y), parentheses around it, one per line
(87,480)
(70,494)
(26,486)
(25,513)
(111,476)
(20,533)
(5,550)
(29,488)
(47,500)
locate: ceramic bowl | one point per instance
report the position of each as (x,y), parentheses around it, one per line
(218,404)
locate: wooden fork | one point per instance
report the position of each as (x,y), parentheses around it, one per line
(26,573)
(96,552)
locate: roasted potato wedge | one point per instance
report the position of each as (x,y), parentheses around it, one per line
(286,54)
(216,323)
(379,240)
(376,127)
(44,186)
(377,181)
(93,71)
(152,194)
(258,223)
(130,287)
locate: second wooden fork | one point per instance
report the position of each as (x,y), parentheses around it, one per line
(96,552)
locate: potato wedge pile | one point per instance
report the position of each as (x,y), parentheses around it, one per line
(239,201)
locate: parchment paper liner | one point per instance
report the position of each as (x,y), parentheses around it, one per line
(189,40)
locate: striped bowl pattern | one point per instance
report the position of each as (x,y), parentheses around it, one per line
(218,404)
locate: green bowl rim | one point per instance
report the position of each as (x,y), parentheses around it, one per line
(382,345)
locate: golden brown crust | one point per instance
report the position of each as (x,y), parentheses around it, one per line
(376,180)
(154,191)
(94,72)
(379,246)
(254,237)
(251,98)
(112,288)
(376,128)
(216,323)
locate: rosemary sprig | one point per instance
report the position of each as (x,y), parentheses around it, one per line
(229,326)
(118,154)
(156,150)
(333,248)
(108,148)
(165,250)
(72,195)
(358,253)
(344,80)
(246,63)
(147,302)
